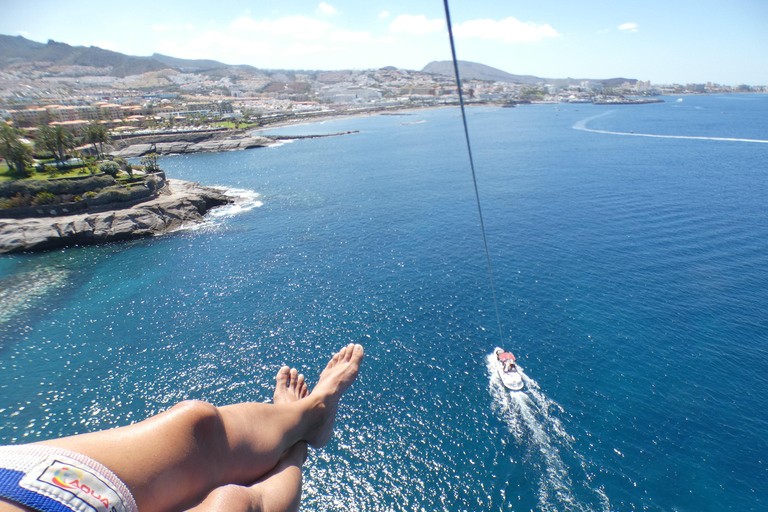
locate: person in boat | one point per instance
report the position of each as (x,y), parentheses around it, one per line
(194,456)
(507,360)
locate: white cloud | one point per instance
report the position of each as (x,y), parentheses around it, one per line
(217,45)
(384,14)
(299,27)
(326,9)
(350,36)
(419,24)
(302,50)
(508,30)
(632,27)
(245,23)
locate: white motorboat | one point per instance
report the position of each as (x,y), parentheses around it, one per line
(507,369)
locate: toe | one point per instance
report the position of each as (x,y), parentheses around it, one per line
(282,375)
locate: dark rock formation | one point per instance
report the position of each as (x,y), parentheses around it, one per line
(186,204)
(180,147)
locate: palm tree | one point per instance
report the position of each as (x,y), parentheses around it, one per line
(57,140)
(96,133)
(89,136)
(17,153)
(20,157)
(7,136)
(102,135)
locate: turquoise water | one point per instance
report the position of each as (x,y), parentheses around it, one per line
(630,271)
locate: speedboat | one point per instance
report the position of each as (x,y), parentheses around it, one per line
(508,371)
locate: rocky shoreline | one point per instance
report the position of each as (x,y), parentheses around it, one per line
(199,142)
(183,203)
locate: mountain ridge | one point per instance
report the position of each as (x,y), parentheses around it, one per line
(17,49)
(477,71)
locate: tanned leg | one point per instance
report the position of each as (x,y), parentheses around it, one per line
(175,459)
(280,489)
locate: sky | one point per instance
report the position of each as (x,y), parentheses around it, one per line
(664,41)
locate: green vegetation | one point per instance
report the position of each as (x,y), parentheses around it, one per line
(95,133)
(15,151)
(237,125)
(26,181)
(533,93)
(56,140)
(44,198)
(53,145)
(33,174)
(109,167)
(92,191)
(149,161)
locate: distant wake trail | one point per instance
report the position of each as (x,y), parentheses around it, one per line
(582,125)
(531,417)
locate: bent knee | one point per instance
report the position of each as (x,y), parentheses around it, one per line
(196,409)
(201,420)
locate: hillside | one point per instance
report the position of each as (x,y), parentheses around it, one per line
(473,70)
(187,65)
(77,60)
(20,50)
(15,50)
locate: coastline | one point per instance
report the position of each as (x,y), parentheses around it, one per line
(204,142)
(186,203)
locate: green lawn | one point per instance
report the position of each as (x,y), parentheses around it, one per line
(242,126)
(5,175)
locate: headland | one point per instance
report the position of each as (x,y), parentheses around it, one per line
(177,204)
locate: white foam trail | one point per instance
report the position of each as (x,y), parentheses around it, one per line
(530,417)
(582,125)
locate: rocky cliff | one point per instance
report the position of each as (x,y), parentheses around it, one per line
(185,204)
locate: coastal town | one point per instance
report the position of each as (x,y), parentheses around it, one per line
(168,100)
(81,129)
(174,94)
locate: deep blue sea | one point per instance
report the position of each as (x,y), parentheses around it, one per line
(631,273)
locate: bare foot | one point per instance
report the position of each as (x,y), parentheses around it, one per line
(290,386)
(338,375)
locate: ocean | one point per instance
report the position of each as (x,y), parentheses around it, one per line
(628,246)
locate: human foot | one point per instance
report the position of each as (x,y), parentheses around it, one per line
(290,386)
(337,377)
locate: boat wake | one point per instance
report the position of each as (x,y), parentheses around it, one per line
(564,475)
(582,125)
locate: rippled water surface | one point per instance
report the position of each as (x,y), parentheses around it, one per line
(632,281)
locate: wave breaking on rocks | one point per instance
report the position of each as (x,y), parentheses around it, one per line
(185,204)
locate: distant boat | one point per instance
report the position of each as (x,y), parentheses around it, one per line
(507,370)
